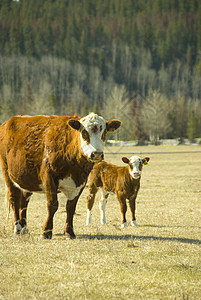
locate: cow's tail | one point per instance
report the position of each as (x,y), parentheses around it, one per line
(7,204)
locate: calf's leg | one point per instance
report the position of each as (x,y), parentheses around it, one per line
(102,205)
(123,208)
(132,208)
(90,202)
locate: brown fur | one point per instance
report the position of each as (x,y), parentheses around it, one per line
(37,152)
(118,180)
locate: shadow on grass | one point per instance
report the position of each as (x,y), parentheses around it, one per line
(129,236)
(170,226)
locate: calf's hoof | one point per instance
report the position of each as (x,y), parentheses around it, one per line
(124,225)
(88,221)
(103,221)
(134,223)
(47,234)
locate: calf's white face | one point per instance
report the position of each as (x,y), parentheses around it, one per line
(93,129)
(135,165)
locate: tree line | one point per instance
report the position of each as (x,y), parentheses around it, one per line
(138,60)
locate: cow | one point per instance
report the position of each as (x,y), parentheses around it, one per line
(50,154)
(123,181)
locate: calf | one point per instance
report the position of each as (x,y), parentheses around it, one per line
(124,181)
(50,154)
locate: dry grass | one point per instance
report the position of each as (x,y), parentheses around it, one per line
(160,259)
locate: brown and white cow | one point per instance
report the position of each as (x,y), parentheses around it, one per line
(50,154)
(124,181)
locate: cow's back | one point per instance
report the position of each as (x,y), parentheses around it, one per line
(26,142)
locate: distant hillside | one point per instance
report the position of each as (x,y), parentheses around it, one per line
(74,53)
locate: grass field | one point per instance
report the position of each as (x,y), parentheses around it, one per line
(159,259)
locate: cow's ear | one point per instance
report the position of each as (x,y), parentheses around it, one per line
(145,160)
(75,124)
(125,160)
(112,125)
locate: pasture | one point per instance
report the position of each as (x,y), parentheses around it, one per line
(159,259)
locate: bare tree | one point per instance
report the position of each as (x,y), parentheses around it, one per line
(118,105)
(41,104)
(154,116)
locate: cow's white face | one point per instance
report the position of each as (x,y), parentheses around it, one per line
(93,129)
(91,135)
(135,165)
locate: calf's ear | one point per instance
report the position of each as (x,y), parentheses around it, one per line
(145,160)
(75,124)
(125,160)
(112,125)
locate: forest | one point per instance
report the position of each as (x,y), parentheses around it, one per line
(136,60)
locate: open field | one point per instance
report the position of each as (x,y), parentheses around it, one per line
(159,259)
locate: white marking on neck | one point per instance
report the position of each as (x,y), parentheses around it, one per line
(69,188)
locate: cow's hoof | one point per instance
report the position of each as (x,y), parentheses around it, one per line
(70,236)
(69,233)
(24,230)
(47,234)
(17,227)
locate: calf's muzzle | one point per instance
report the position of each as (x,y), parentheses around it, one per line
(97,156)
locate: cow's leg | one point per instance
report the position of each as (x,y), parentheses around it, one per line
(132,208)
(70,209)
(90,202)
(25,196)
(52,204)
(12,198)
(123,208)
(102,205)
(14,195)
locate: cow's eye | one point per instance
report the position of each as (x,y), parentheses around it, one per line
(131,166)
(85,135)
(104,135)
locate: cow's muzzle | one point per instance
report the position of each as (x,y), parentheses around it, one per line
(97,156)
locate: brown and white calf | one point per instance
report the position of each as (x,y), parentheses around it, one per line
(123,181)
(50,154)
